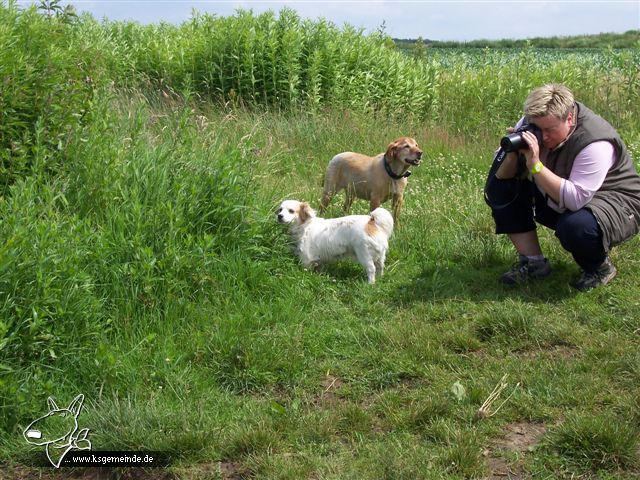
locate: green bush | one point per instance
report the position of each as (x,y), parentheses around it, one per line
(45,93)
(278,61)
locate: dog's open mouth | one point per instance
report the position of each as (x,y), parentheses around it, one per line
(413,161)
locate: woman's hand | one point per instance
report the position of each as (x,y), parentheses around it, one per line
(532,154)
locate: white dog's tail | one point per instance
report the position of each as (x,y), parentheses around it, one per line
(383,220)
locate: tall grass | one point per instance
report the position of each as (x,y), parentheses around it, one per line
(51,68)
(46,90)
(285,62)
(279,61)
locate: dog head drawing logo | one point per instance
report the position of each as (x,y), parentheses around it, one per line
(58,431)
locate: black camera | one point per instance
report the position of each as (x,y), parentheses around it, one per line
(514,141)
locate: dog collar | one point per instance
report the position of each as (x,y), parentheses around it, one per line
(390,172)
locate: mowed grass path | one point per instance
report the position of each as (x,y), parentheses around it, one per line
(207,339)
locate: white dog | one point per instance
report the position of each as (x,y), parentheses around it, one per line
(323,240)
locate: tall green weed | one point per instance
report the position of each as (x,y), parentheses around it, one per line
(280,61)
(45,93)
(285,62)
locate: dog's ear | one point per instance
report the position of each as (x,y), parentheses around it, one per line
(392,149)
(305,212)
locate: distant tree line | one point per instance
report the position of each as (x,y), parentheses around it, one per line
(629,39)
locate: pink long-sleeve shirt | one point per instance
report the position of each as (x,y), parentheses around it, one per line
(587,175)
(589,170)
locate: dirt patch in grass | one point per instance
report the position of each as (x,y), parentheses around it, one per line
(517,438)
(203,471)
(563,352)
(215,470)
(328,396)
(28,473)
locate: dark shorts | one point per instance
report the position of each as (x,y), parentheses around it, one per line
(521,207)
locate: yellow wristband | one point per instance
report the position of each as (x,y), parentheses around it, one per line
(537,168)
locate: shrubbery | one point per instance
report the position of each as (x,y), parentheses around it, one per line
(46,88)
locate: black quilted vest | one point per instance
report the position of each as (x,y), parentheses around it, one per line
(616,205)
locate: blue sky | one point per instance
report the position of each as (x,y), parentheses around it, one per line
(435,20)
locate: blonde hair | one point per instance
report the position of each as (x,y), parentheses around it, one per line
(551,99)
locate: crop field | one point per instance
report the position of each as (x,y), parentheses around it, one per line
(141,264)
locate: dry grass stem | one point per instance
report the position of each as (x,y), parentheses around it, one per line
(485,409)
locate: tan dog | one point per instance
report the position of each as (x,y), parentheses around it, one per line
(372,178)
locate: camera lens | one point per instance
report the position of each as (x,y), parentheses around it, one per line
(513,142)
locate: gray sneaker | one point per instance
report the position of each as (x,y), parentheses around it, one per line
(525,270)
(603,275)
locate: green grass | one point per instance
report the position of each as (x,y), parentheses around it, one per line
(150,275)
(600,442)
